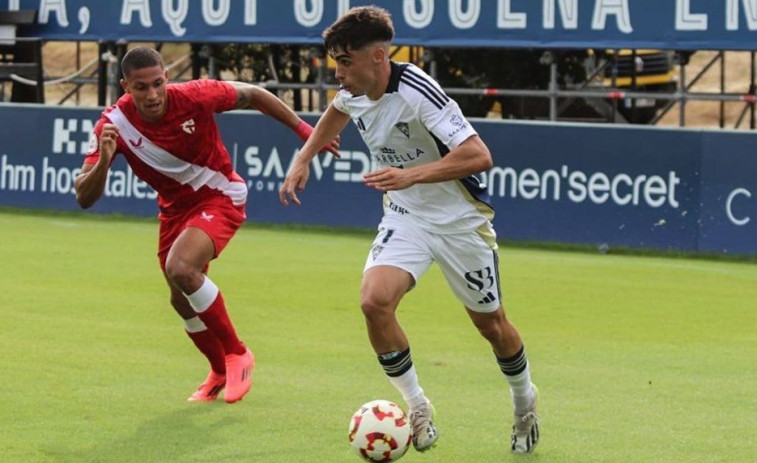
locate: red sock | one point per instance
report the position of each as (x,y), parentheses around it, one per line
(217,320)
(211,348)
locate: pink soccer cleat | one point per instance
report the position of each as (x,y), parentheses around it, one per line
(238,375)
(209,389)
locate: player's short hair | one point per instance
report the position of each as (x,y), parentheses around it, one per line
(140,58)
(359,27)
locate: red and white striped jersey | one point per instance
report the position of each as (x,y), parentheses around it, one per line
(181,156)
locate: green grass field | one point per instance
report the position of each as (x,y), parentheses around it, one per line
(638,359)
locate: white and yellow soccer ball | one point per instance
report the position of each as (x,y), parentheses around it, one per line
(380,431)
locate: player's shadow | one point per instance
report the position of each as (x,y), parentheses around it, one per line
(181,435)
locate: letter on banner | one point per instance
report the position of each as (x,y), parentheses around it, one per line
(418,19)
(53,6)
(174,17)
(619,8)
(251,12)
(506,19)
(308,18)
(729,207)
(215,16)
(685,21)
(343,7)
(568,13)
(464,19)
(136,6)
(732,14)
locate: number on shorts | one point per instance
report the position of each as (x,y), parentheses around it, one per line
(479,280)
(389,233)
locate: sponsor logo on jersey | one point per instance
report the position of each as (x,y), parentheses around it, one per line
(136,144)
(397,159)
(398,209)
(188,126)
(404,128)
(386,150)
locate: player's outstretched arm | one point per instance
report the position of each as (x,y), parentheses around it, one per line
(331,123)
(90,183)
(250,96)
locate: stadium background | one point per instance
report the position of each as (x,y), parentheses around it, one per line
(605,185)
(638,358)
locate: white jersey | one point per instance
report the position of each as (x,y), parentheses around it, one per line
(412,124)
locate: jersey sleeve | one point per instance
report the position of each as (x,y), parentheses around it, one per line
(338,102)
(93,151)
(449,124)
(440,114)
(214,95)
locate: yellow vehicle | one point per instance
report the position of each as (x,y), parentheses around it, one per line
(640,71)
(648,67)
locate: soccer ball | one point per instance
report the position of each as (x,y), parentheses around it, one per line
(380,431)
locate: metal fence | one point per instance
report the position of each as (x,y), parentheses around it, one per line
(103,72)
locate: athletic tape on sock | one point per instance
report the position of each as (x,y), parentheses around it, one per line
(203,298)
(194,325)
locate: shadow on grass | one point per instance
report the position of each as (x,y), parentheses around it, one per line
(196,432)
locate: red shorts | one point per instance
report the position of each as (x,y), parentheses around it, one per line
(217,217)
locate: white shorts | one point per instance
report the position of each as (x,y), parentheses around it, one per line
(468,260)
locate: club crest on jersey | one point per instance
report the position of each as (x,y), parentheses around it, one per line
(205,216)
(136,144)
(404,128)
(188,126)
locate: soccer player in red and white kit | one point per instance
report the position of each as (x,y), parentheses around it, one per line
(170,139)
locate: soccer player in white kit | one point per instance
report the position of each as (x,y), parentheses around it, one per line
(435,209)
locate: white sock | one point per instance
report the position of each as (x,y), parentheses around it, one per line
(518,375)
(521,390)
(407,385)
(398,366)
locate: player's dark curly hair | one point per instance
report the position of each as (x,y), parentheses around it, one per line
(139,58)
(359,27)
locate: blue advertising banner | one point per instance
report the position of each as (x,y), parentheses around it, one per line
(621,186)
(671,24)
(729,194)
(570,183)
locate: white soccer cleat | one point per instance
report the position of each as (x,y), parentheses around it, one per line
(526,429)
(424,430)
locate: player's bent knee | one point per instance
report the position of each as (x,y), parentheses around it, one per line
(181,273)
(375,307)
